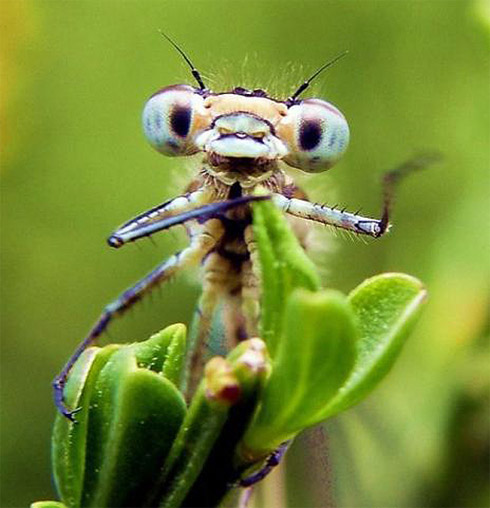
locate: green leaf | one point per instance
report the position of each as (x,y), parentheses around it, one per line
(164,352)
(387,307)
(47,504)
(328,351)
(284,267)
(313,359)
(69,440)
(251,365)
(134,417)
(220,409)
(130,416)
(190,449)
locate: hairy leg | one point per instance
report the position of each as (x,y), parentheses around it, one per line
(148,223)
(353,221)
(170,208)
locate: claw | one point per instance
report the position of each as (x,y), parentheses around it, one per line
(271,462)
(370,227)
(59,400)
(70,413)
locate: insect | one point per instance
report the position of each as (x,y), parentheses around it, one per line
(245,138)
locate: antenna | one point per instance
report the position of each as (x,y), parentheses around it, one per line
(307,83)
(194,71)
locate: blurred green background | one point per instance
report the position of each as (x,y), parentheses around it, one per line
(75,76)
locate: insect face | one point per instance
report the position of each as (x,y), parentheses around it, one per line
(310,135)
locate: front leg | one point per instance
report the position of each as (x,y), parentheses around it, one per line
(147,225)
(353,221)
(331,216)
(133,228)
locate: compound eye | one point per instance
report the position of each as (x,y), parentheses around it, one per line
(316,133)
(169,120)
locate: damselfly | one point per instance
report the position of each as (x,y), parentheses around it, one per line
(246,138)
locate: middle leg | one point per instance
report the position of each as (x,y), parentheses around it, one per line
(202,242)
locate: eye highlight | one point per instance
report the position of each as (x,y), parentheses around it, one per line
(316,133)
(169,120)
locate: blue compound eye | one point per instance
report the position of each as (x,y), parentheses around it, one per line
(170,118)
(316,134)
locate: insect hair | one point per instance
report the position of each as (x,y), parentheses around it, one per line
(256,73)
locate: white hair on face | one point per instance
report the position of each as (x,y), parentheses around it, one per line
(254,73)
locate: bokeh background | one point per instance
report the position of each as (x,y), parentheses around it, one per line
(75,76)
